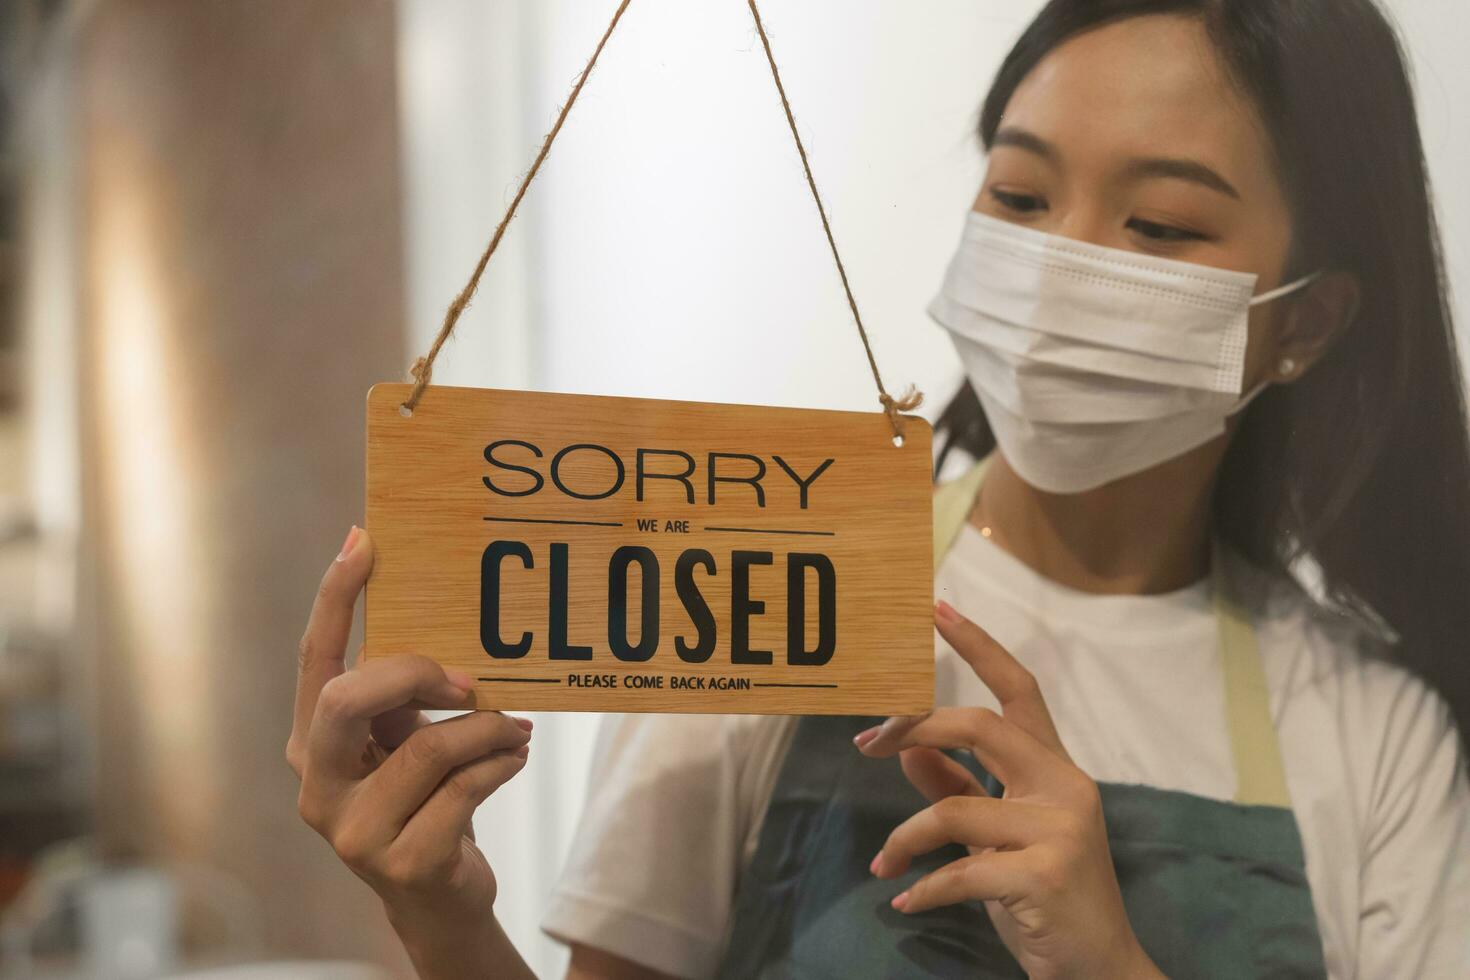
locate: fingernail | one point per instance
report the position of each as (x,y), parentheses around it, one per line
(347,545)
(900,900)
(523,751)
(946,612)
(459,679)
(864,737)
(873,865)
(525,723)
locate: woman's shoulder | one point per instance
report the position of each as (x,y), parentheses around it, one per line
(1298,620)
(1343,670)
(666,823)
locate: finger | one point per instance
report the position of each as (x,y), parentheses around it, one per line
(1013,685)
(1002,747)
(406,778)
(431,838)
(936,775)
(393,727)
(974,821)
(324,644)
(339,729)
(894,726)
(992,876)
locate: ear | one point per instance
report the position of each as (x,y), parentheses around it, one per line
(1312,322)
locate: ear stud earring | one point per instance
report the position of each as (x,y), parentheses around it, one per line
(1287,367)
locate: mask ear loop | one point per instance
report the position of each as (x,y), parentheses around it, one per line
(1277,293)
(1281,291)
(1248,397)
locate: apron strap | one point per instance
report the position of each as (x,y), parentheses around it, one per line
(953,501)
(1260,775)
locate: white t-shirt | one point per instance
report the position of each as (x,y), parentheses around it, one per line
(1373,765)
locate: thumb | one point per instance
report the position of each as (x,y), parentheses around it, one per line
(323,648)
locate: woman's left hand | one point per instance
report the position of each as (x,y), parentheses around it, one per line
(1039,855)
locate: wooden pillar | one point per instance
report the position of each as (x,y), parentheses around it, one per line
(242,288)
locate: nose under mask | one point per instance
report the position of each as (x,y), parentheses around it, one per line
(1093,363)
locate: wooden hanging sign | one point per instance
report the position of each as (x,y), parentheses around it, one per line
(589,553)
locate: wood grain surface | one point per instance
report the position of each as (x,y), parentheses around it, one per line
(591,553)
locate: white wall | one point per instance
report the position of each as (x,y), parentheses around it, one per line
(1434,32)
(670,248)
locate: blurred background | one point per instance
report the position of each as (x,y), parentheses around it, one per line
(221,221)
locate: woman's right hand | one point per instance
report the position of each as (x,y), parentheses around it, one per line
(391,792)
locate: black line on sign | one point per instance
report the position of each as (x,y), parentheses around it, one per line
(771,530)
(542,520)
(521,680)
(759,684)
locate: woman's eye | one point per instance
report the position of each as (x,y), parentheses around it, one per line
(1163,233)
(1020,203)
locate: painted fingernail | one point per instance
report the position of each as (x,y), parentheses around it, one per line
(525,723)
(946,612)
(864,737)
(459,679)
(347,544)
(900,900)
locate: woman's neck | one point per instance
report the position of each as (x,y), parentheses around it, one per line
(1144,534)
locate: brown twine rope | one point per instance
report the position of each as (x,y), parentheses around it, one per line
(422,368)
(912,398)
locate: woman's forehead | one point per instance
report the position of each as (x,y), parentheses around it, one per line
(1150,86)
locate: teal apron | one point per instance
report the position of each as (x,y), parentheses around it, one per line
(1213,888)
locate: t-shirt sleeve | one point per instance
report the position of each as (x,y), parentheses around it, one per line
(651,874)
(1415,915)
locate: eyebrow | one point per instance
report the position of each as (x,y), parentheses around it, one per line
(1179,169)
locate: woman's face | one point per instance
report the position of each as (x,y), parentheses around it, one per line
(1133,136)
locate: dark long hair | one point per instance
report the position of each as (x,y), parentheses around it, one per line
(1363,463)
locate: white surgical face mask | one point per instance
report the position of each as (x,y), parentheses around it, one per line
(1091,362)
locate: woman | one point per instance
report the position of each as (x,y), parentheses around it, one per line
(1199,303)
